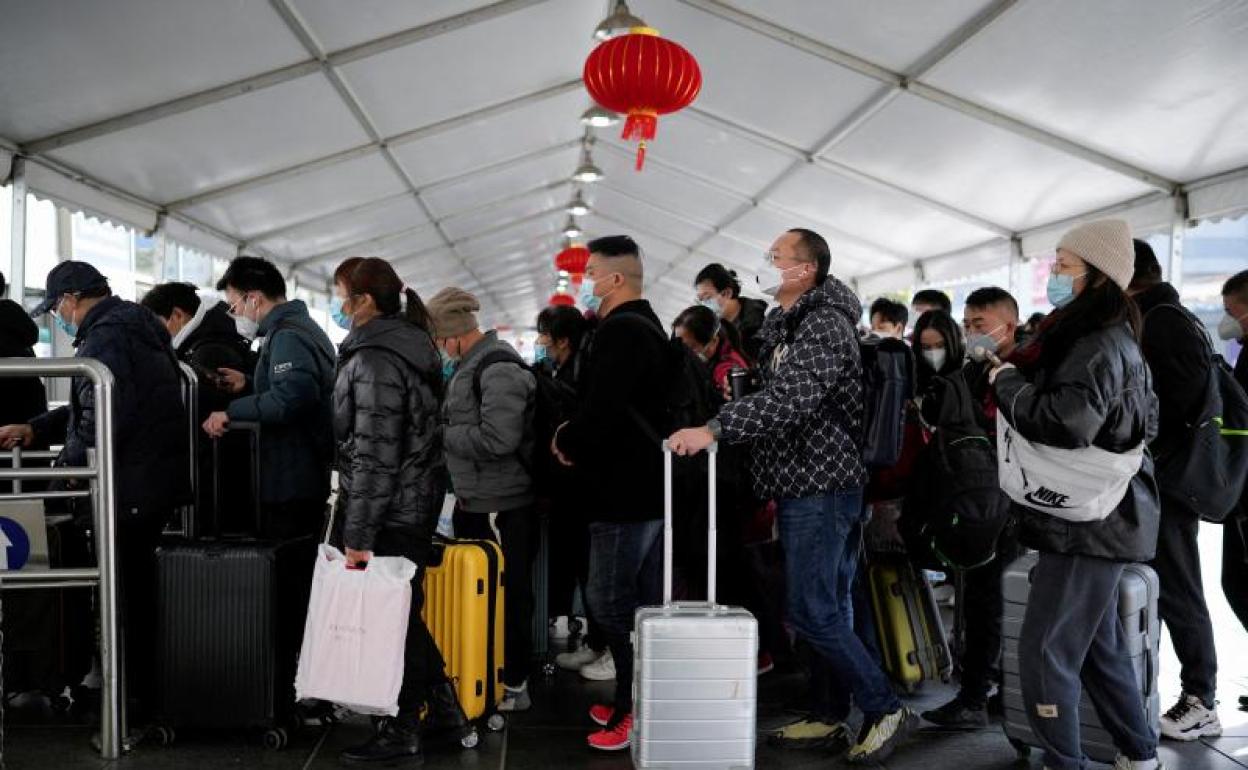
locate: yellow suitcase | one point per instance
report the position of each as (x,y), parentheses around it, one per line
(908,626)
(464,612)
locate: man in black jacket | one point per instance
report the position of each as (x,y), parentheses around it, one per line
(21,398)
(150,438)
(1176,349)
(611,445)
(1234,326)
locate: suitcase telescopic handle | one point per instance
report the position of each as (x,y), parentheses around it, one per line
(712,453)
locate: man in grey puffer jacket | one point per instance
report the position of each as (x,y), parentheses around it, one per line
(488,413)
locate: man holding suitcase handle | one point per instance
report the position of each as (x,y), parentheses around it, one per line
(804,428)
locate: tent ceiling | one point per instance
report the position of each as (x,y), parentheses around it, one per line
(442,134)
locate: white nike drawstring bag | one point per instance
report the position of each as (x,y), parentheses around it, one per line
(1078,485)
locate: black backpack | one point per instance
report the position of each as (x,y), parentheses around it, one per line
(1204,474)
(689,393)
(954,511)
(888,385)
(554,403)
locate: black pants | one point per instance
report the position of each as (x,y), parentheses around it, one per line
(569,567)
(423,666)
(983,607)
(1182,604)
(293,518)
(517,537)
(1235,566)
(138,534)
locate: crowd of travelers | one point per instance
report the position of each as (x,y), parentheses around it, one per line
(419,401)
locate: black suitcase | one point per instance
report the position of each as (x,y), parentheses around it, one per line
(230,620)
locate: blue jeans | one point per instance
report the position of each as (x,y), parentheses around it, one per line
(822,537)
(625,572)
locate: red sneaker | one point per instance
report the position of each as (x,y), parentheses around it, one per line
(615,739)
(601,714)
(765,663)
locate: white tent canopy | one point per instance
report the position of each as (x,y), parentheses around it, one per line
(922,139)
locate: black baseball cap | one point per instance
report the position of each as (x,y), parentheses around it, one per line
(69,278)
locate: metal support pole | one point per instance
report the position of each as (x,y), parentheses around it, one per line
(1018,283)
(1178,229)
(17,239)
(160,255)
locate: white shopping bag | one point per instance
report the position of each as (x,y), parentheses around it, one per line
(357,625)
(1078,485)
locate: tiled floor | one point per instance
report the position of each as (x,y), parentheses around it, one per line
(551,737)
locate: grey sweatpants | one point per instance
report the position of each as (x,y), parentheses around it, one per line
(1072,632)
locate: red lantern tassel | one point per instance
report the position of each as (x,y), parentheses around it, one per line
(641,154)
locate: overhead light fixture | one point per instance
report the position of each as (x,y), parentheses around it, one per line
(587,172)
(571,229)
(620,20)
(599,117)
(577,207)
(563,275)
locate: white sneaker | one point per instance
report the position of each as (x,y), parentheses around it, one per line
(1190,719)
(1122,763)
(575,661)
(601,670)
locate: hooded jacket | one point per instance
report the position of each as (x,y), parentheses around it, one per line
(804,426)
(293,402)
(21,398)
(1100,394)
(208,342)
(388,433)
(1177,353)
(151,441)
(489,442)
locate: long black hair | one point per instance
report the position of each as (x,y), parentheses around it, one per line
(955,349)
(376,277)
(1101,305)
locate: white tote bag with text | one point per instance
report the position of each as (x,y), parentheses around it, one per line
(1078,485)
(353,641)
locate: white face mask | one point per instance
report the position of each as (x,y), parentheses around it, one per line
(246,327)
(1230,327)
(936,358)
(771,278)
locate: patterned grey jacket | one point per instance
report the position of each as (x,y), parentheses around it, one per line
(804,426)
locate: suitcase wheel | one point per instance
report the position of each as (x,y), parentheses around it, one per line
(1020,748)
(164,736)
(496,722)
(276,739)
(470,739)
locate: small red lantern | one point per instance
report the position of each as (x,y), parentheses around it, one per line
(564,300)
(644,76)
(572,260)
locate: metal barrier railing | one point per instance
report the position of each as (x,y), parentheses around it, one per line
(99,474)
(190,402)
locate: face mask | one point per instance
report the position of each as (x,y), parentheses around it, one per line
(935,358)
(771,278)
(69,328)
(586,296)
(336,312)
(246,328)
(712,304)
(1230,327)
(979,346)
(448,365)
(540,355)
(1061,289)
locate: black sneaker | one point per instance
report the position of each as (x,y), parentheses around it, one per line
(958,715)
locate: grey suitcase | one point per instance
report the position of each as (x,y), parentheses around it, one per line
(1137,606)
(696,668)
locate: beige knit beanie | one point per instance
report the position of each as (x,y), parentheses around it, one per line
(454,312)
(1106,245)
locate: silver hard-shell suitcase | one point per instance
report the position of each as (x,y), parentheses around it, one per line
(695,676)
(1137,606)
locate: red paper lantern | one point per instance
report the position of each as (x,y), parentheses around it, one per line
(565,300)
(644,76)
(572,260)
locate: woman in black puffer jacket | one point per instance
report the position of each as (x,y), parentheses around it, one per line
(390,474)
(1083,382)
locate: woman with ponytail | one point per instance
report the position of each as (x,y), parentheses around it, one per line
(390,471)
